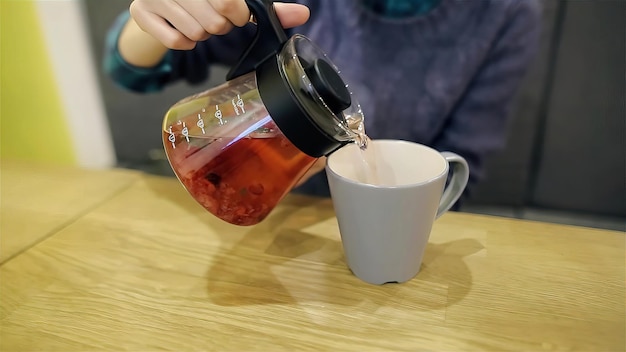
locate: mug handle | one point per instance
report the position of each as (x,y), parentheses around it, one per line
(458,182)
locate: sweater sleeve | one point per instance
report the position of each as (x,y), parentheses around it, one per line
(187,65)
(478,123)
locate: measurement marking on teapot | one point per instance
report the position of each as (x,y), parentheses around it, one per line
(200,122)
(185,132)
(238,105)
(172,137)
(218,114)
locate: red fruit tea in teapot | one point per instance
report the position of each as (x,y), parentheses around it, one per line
(237,184)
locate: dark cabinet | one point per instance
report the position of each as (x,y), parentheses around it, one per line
(567,145)
(583,159)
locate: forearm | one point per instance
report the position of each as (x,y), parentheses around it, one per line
(139,48)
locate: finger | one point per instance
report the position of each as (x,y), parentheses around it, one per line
(160,29)
(207,17)
(291,15)
(235,11)
(180,19)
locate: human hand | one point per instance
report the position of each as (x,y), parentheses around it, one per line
(318,166)
(179,24)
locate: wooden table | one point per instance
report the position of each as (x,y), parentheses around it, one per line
(117,260)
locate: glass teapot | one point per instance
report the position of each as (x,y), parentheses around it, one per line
(240,147)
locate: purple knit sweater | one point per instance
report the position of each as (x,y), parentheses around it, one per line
(446,78)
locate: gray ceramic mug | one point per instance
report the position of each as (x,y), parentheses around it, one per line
(385,227)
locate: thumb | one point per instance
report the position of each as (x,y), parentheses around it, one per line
(291,15)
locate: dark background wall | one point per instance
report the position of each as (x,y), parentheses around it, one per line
(567,142)
(567,146)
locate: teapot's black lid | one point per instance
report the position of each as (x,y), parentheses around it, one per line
(300,87)
(306,97)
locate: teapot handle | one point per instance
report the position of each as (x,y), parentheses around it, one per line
(268,39)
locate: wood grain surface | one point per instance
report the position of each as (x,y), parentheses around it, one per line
(39,199)
(148,269)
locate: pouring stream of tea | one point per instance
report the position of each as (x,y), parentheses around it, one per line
(367,170)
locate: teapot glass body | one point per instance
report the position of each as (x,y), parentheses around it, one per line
(229,154)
